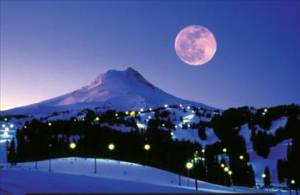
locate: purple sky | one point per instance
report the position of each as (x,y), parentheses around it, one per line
(49,48)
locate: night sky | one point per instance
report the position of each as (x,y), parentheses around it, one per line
(49,48)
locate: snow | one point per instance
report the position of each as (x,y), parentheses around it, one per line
(259,163)
(118,127)
(245,132)
(277,152)
(77,175)
(281,122)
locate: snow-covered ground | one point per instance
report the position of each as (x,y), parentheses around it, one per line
(77,175)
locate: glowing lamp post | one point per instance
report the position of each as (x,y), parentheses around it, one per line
(147,147)
(226,169)
(241,157)
(292,186)
(111,147)
(188,166)
(263,175)
(72,145)
(224,150)
(132,114)
(49,124)
(230,178)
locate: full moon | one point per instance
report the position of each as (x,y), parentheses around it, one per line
(195,45)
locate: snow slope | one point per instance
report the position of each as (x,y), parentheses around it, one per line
(120,90)
(77,175)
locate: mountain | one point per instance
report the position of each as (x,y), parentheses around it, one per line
(114,89)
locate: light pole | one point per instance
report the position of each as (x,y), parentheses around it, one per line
(188,166)
(95,165)
(264,176)
(72,146)
(49,167)
(230,178)
(292,185)
(147,148)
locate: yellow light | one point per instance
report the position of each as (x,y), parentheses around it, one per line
(147,147)
(72,145)
(132,114)
(265,110)
(49,124)
(126,112)
(189,165)
(111,146)
(229,172)
(226,169)
(222,165)
(224,150)
(97,118)
(263,175)
(293,181)
(241,157)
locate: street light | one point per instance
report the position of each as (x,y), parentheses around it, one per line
(230,178)
(293,181)
(132,114)
(49,124)
(263,175)
(188,166)
(147,147)
(224,150)
(222,165)
(226,169)
(241,157)
(72,145)
(111,147)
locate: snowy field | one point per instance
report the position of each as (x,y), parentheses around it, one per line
(77,175)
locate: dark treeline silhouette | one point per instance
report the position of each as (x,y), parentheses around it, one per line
(41,140)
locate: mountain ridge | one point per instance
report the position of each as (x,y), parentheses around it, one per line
(113,89)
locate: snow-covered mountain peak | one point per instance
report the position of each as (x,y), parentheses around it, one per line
(117,77)
(114,89)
